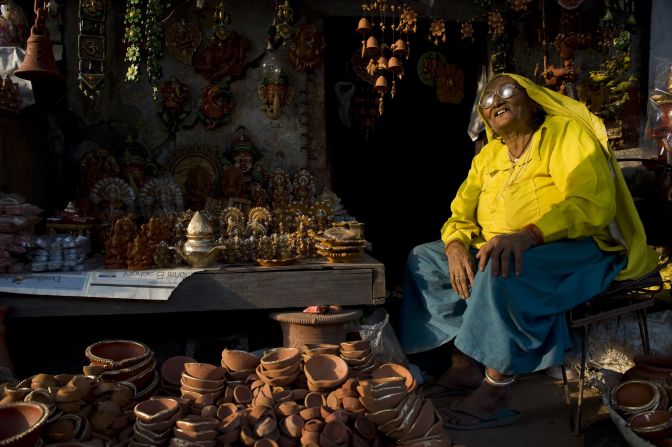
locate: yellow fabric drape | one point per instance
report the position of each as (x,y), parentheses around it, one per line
(641,258)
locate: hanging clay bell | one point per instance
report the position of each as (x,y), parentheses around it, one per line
(394,65)
(400,49)
(363,26)
(382,63)
(381,84)
(372,47)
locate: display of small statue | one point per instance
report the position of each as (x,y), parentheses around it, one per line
(140,257)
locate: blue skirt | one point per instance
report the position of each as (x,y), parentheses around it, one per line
(514,325)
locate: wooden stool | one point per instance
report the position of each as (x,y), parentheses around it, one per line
(620,298)
(299,328)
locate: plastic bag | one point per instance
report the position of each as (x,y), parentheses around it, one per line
(378,331)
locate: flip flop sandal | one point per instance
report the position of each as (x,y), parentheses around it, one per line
(501,419)
(442,391)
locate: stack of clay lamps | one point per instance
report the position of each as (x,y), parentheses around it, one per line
(239,364)
(155,419)
(310,349)
(398,412)
(325,371)
(171,373)
(359,356)
(279,366)
(342,244)
(202,383)
(123,360)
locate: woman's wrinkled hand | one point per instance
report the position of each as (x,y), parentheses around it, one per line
(499,250)
(461,267)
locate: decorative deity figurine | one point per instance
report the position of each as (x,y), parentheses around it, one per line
(240,179)
(275,95)
(307,49)
(139,255)
(216,104)
(198,186)
(174,104)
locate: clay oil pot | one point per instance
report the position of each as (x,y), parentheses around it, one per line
(326,370)
(117,354)
(22,423)
(155,410)
(652,425)
(650,367)
(635,396)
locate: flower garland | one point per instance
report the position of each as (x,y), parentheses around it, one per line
(154,35)
(132,38)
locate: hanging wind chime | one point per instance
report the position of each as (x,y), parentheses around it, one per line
(383,57)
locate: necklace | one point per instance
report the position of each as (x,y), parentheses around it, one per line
(515,159)
(516,170)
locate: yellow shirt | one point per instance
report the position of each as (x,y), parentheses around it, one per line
(562,183)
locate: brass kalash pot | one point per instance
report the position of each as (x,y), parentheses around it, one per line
(200,250)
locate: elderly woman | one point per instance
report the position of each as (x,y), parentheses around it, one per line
(543,222)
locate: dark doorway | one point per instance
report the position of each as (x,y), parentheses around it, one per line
(398,172)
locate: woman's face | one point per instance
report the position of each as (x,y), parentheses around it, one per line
(512,114)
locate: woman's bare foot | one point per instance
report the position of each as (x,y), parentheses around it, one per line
(484,404)
(464,374)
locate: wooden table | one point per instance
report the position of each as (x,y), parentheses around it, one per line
(310,282)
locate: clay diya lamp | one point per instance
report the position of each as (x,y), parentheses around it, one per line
(422,423)
(155,410)
(205,371)
(238,360)
(392,370)
(288,408)
(22,423)
(311,413)
(204,384)
(196,423)
(242,394)
(334,434)
(292,426)
(195,436)
(117,354)
(326,371)
(265,443)
(314,399)
(265,427)
(278,358)
(357,345)
(171,369)
(289,370)
(229,438)
(311,349)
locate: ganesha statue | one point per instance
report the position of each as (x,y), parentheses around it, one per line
(275,95)
(217,103)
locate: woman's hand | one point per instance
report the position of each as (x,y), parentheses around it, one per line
(499,249)
(461,267)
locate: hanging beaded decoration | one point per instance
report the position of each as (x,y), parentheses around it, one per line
(154,36)
(91,47)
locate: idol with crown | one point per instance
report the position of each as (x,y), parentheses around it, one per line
(244,173)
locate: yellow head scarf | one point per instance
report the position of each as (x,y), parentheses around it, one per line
(629,229)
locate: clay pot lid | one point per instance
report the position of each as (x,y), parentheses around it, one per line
(326,370)
(238,360)
(117,354)
(172,367)
(344,316)
(21,423)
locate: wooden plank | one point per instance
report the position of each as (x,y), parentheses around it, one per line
(311,282)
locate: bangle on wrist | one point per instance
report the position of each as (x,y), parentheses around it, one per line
(535,234)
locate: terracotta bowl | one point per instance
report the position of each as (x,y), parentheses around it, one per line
(278,358)
(196,423)
(155,410)
(237,360)
(205,371)
(326,370)
(652,424)
(358,345)
(635,396)
(22,423)
(172,367)
(117,354)
(383,402)
(204,384)
(392,370)
(357,355)
(320,348)
(273,373)
(422,423)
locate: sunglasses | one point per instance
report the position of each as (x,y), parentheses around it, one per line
(505,91)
